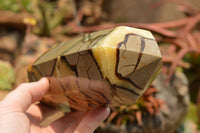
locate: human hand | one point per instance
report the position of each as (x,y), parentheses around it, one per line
(18,114)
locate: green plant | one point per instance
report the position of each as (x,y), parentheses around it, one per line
(15,5)
(7,76)
(48,15)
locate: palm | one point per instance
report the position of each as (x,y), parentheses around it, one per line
(65,124)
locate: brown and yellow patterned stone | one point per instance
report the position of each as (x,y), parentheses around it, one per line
(105,68)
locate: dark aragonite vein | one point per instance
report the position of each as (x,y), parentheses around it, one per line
(72,67)
(100,93)
(41,74)
(142,47)
(54,65)
(127,89)
(117,60)
(70,98)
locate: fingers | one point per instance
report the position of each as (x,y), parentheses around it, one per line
(25,94)
(92,120)
(81,122)
(69,122)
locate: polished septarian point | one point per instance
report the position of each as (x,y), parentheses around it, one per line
(104,68)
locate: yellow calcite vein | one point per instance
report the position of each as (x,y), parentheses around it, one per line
(105,52)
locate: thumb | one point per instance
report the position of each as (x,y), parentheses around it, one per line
(25,94)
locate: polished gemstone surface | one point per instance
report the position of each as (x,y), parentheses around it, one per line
(104,68)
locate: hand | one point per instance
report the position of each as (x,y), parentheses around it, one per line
(18,114)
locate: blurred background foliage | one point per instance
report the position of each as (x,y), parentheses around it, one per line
(7,77)
(30,27)
(16,5)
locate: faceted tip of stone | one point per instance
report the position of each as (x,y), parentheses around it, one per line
(126,58)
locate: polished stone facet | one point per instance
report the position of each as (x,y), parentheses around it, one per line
(105,68)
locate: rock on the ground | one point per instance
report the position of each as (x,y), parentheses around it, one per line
(10,42)
(146,11)
(32,48)
(176,97)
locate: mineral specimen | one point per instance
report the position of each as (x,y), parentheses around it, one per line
(105,68)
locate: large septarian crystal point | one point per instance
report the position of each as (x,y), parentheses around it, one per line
(105,68)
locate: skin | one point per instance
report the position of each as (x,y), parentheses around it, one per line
(18,114)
